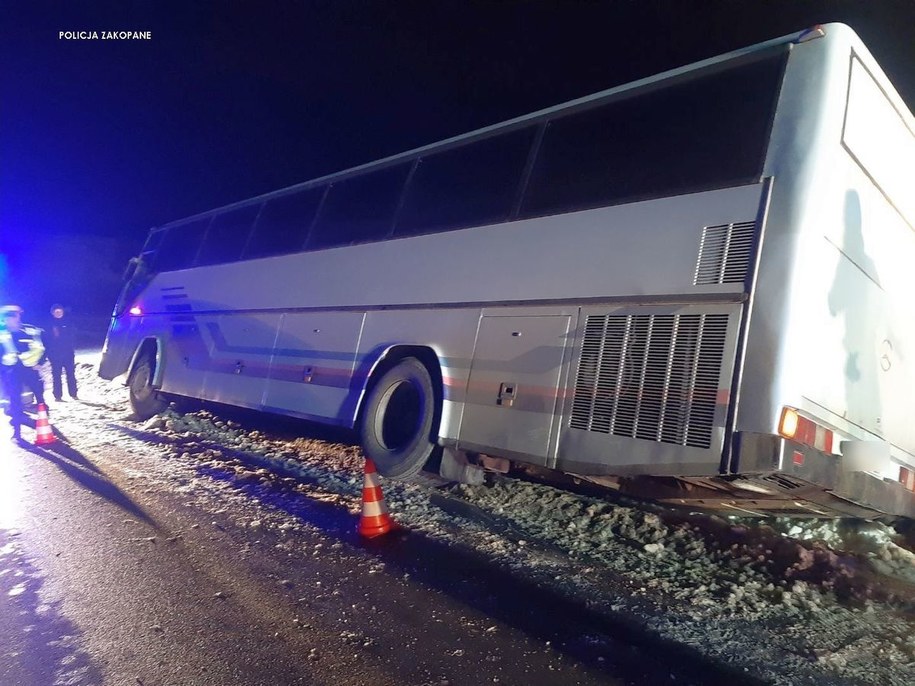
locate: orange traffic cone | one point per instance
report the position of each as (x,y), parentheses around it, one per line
(375,520)
(45,434)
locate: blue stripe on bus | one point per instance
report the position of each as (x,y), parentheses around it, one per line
(223,346)
(198,356)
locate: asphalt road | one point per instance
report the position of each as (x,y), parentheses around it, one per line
(105,579)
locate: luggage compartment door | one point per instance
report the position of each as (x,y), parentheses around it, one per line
(513,388)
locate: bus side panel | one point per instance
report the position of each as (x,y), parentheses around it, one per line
(646,249)
(241,347)
(797,141)
(311,371)
(649,389)
(186,354)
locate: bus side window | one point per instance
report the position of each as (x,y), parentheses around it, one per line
(151,247)
(283,224)
(707,131)
(148,255)
(180,245)
(359,209)
(470,185)
(227,235)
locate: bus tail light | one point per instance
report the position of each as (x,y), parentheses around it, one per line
(135,311)
(907,478)
(803,430)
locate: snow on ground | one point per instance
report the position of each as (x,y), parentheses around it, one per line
(792,601)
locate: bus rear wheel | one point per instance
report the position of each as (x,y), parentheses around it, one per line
(396,430)
(144,399)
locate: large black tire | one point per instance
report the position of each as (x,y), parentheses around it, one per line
(397,429)
(144,399)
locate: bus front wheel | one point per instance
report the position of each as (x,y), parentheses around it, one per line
(144,399)
(397,424)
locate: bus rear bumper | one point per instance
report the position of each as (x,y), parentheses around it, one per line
(772,465)
(778,477)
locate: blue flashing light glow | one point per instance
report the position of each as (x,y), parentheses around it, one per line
(4,279)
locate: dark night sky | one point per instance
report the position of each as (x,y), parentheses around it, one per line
(232,99)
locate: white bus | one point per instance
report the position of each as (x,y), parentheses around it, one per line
(701,281)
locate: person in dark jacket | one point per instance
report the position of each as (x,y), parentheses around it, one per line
(60,348)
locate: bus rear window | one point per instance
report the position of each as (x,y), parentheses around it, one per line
(878,138)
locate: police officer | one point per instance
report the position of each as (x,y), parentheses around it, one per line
(22,351)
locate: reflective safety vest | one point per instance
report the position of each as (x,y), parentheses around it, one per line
(31,355)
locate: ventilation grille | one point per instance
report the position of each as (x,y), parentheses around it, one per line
(724,253)
(653,377)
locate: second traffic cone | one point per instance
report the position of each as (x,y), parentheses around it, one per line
(45,434)
(375,520)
